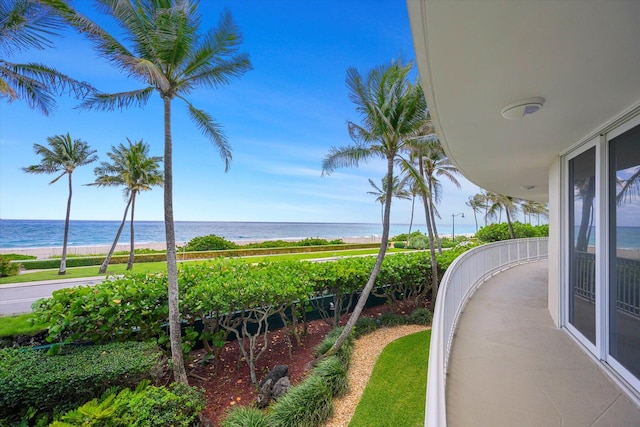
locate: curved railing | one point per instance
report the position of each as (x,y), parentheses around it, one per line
(458,284)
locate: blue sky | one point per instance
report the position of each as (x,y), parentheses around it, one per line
(281,119)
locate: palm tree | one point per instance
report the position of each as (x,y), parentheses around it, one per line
(398,191)
(63,156)
(392,111)
(171,57)
(476,203)
(132,168)
(436,164)
(26,24)
(510,206)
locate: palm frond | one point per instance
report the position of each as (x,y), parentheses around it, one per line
(213,131)
(117,101)
(346,157)
(26,24)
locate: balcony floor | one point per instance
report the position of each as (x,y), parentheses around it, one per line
(510,366)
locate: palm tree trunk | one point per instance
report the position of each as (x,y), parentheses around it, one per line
(432,216)
(105,263)
(376,268)
(413,204)
(432,245)
(175,331)
(63,261)
(132,251)
(512,233)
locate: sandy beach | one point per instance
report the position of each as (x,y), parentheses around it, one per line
(44,253)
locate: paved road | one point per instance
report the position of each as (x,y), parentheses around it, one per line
(17,298)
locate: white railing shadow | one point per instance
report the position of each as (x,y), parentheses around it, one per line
(458,284)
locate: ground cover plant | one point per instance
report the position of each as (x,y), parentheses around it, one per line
(394,395)
(37,381)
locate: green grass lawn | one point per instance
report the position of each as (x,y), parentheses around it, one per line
(147,267)
(395,393)
(17,325)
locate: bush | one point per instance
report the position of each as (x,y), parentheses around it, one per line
(175,405)
(364,326)
(208,243)
(399,245)
(8,268)
(420,316)
(498,232)
(392,319)
(334,373)
(309,404)
(418,241)
(243,416)
(73,376)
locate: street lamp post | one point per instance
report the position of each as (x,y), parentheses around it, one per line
(453,224)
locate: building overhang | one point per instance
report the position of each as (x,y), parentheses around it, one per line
(477,57)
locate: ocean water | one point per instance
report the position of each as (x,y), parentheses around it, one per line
(49,233)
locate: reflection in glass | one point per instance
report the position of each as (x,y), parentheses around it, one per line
(582,289)
(624,256)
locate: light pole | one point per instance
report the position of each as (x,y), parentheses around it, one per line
(453,224)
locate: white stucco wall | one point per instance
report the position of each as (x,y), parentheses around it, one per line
(555,230)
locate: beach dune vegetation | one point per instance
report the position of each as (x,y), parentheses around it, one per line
(162,47)
(62,157)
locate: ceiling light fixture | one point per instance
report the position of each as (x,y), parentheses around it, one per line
(522,108)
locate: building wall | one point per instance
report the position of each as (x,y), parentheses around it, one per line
(555,254)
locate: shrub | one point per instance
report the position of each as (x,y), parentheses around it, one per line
(399,245)
(364,326)
(8,268)
(334,373)
(403,237)
(309,404)
(210,242)
(392,319)
(420,316)
(498,232)
(73,376)
(18,257)
(175,405)
(418,241)
(242,416)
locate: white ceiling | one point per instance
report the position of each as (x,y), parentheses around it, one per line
(477,56)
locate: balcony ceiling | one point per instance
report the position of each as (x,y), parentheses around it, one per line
(476,57)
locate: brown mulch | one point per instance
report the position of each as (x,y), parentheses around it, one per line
(229,384)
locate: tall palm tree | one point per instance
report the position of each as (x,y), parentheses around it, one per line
(164,49)
(476,203)
(62,157)
(398,191)
(131,167)
(508,204)
(436,164)
(392,110)
(26,24)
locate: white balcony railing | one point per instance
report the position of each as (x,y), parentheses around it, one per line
(458,284)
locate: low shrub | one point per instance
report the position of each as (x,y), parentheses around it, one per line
(364,326)
(244,416)
(392,319)
(309,404)
(147,405)
(210,242)
(418,241)
(404,237)
(36,379)
(420,316)
(498,232)
(334,373)
(399,245)
(8,268)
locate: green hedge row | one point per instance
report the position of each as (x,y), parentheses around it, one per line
(498,232)
(44,382)
(42,264)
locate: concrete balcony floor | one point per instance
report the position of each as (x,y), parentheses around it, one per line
(510,366)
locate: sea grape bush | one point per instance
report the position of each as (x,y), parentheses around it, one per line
(498,232)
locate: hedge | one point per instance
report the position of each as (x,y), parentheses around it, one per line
(36,379)
(42,264)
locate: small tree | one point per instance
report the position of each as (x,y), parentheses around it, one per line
(64,155)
